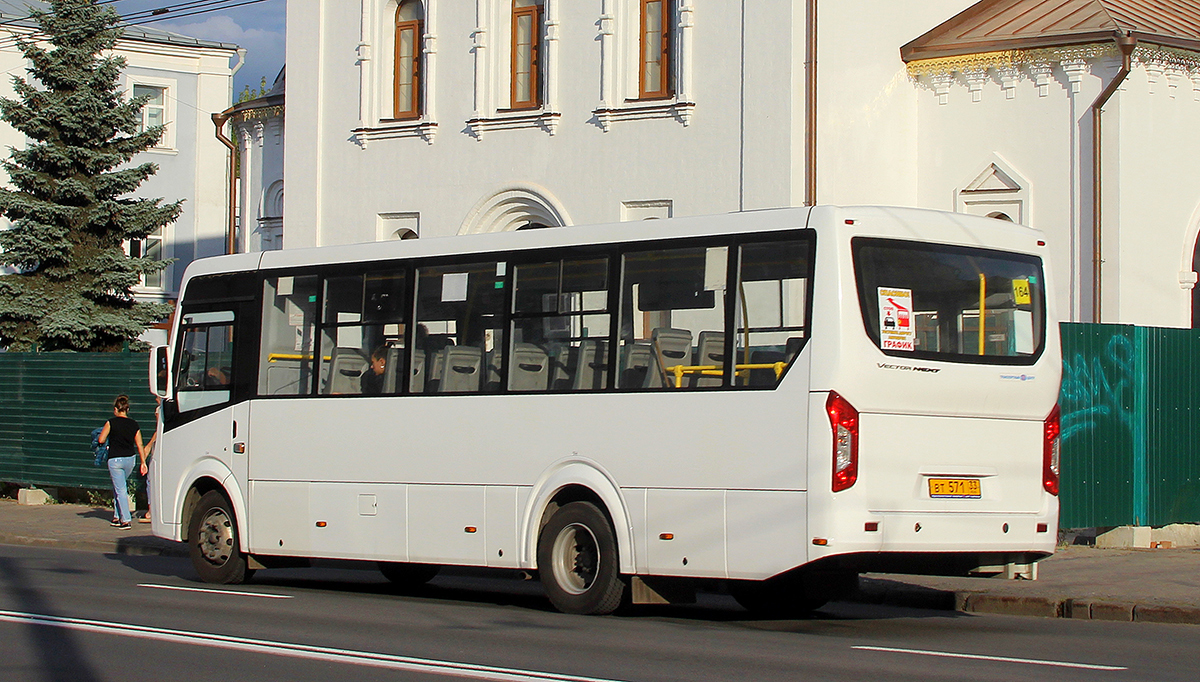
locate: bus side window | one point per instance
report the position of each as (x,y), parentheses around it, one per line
(289,319)
(204,375)
(669,297)
(560,315)
(461,322)
(772,310)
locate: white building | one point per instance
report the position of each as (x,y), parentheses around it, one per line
(435,118)
(257,131)
(188,80)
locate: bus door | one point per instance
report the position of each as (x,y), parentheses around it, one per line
(214,377)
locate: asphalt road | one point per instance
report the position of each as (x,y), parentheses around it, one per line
(79,616)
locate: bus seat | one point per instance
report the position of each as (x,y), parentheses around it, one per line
(636,359)
(395,358)
(795,344)
(710,352)
(591,368)
(462,369)
(764,377)
(283,377)
(437,360)
(564,359)
(529,369)
(672,347)
(491,382)
(416,379)
(346,365)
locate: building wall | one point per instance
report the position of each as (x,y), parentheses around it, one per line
(1151,225)
(192,163)
(884,137)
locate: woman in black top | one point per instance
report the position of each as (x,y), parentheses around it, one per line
(124,439)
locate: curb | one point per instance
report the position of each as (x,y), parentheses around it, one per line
(130,546)
(909,596)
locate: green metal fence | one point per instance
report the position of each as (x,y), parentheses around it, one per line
(1131,426)
(1131,421)
(50,403)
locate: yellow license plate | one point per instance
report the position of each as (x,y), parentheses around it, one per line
(962,488)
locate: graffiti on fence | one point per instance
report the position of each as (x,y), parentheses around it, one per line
(1097,388)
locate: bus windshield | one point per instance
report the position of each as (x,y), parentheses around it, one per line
(951,303)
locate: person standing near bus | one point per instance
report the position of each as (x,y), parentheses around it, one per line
(124,438)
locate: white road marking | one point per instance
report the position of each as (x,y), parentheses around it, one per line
(211,591)
(316,653)
(1003,659)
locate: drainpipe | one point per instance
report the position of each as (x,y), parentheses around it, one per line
(810,104)
(1126,42)
(231,224)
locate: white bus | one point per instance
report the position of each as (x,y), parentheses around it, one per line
(773,401)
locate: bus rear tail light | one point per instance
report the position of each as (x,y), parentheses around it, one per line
(843,419)
(1051,447)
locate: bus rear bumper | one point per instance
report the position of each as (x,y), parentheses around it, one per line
(1011,564)
(939,544)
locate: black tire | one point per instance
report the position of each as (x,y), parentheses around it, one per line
(408,576)
(213,542)
(578,563)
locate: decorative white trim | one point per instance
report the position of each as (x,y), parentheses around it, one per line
(941,86)
(514,207)
(1009,77)
(1075,69)
(388,130)
(619,61)
(376,72)
(1042,74)
(643,110)
(538,118)
(997,187)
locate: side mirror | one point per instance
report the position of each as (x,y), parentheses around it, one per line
(159,372)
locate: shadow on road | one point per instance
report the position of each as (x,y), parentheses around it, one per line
(57,648)
(876,600)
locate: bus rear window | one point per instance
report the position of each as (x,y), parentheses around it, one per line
(951,303)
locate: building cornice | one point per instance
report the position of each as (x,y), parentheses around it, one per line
(1145,54)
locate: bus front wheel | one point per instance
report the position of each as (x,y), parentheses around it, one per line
(577,561)
(213,542)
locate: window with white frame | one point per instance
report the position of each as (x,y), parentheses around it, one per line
(655,39)
(525,75)
(154,112)
(152,248)
(645,60)
(406,60)
(159,108)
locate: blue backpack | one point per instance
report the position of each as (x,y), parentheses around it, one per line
(98,448)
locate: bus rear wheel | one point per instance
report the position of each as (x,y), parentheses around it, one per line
(577,561)
(213,542)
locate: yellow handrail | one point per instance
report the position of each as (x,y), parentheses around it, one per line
(273,357)
(717,370)
(982,308)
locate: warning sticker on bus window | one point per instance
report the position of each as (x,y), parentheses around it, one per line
(896,330)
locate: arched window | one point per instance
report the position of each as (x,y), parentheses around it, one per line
(406,86)
(526,54)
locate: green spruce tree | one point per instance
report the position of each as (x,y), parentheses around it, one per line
(68,201)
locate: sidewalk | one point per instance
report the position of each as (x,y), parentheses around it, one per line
(1151,585)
